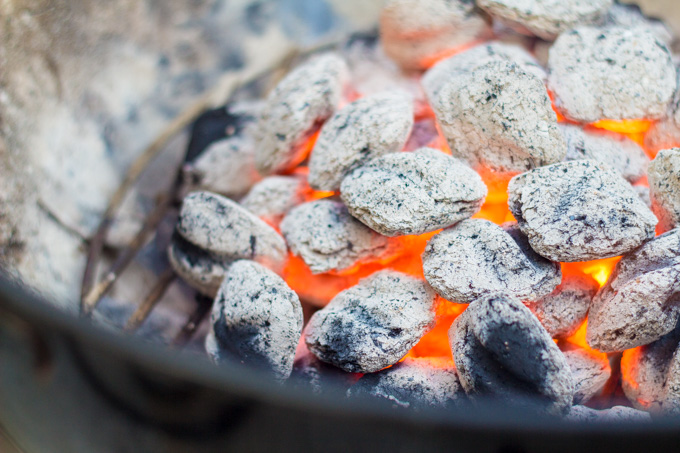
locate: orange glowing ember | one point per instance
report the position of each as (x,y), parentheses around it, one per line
(436,342)
(319,289)
(633,129)
(431,60)
(600,270)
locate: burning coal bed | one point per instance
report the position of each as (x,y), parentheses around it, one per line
(467,209)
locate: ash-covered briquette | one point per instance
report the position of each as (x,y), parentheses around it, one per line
(414,33)
(414,383)
(221,152)
(327,237)
(665,134)
(476,257)
(579,211)
(224,228)
(366,128)
(611,73)
(546,19)
(639,303)
(615,150)
(499,116)
(272,198)
(310,372)
(589,370)
(374,324)
(413,193)
(671,402)
(294,110)
(616,414)
(256,319)
(664,187)
(235,119)
(563,311)
(477,56)
(201,270)
(227,167)
(645,373)
(501,349)
(631,17)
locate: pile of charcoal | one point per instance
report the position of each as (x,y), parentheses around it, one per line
(460,107)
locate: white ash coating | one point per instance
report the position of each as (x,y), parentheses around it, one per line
(630,16)
(639,303)
(644,194)
(615,150)
(327,237)
(272,198)
(499,116)
(477,56)
(546,18)
(373,324)
(201,270)
(645,372)
(671,401)
(674,106)
(563,311)
(590,373)
(664,187)
(476,257)
(665,134)
(500,348)
(368,127)
(293,111)
(413,193)
(227,167)
(616,414)
(256,319)
(413,382)
(611,73)
(311,373)
(414,33)
(224,228)
(579,211)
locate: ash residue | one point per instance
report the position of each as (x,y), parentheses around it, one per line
(546,18)
(499,116)
(222,227)
(611,73)
(501,349)
(639,303)
(579,211)
(373,324)
(367,128)
(413,383)
(476,257)
(413,193)
(327,237)
(614,150)
(256,319)
(307,96)
(664,187)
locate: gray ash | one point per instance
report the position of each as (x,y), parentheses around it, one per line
(413,193)
(256,319)
(374,324)
(476,258)
(501,349)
